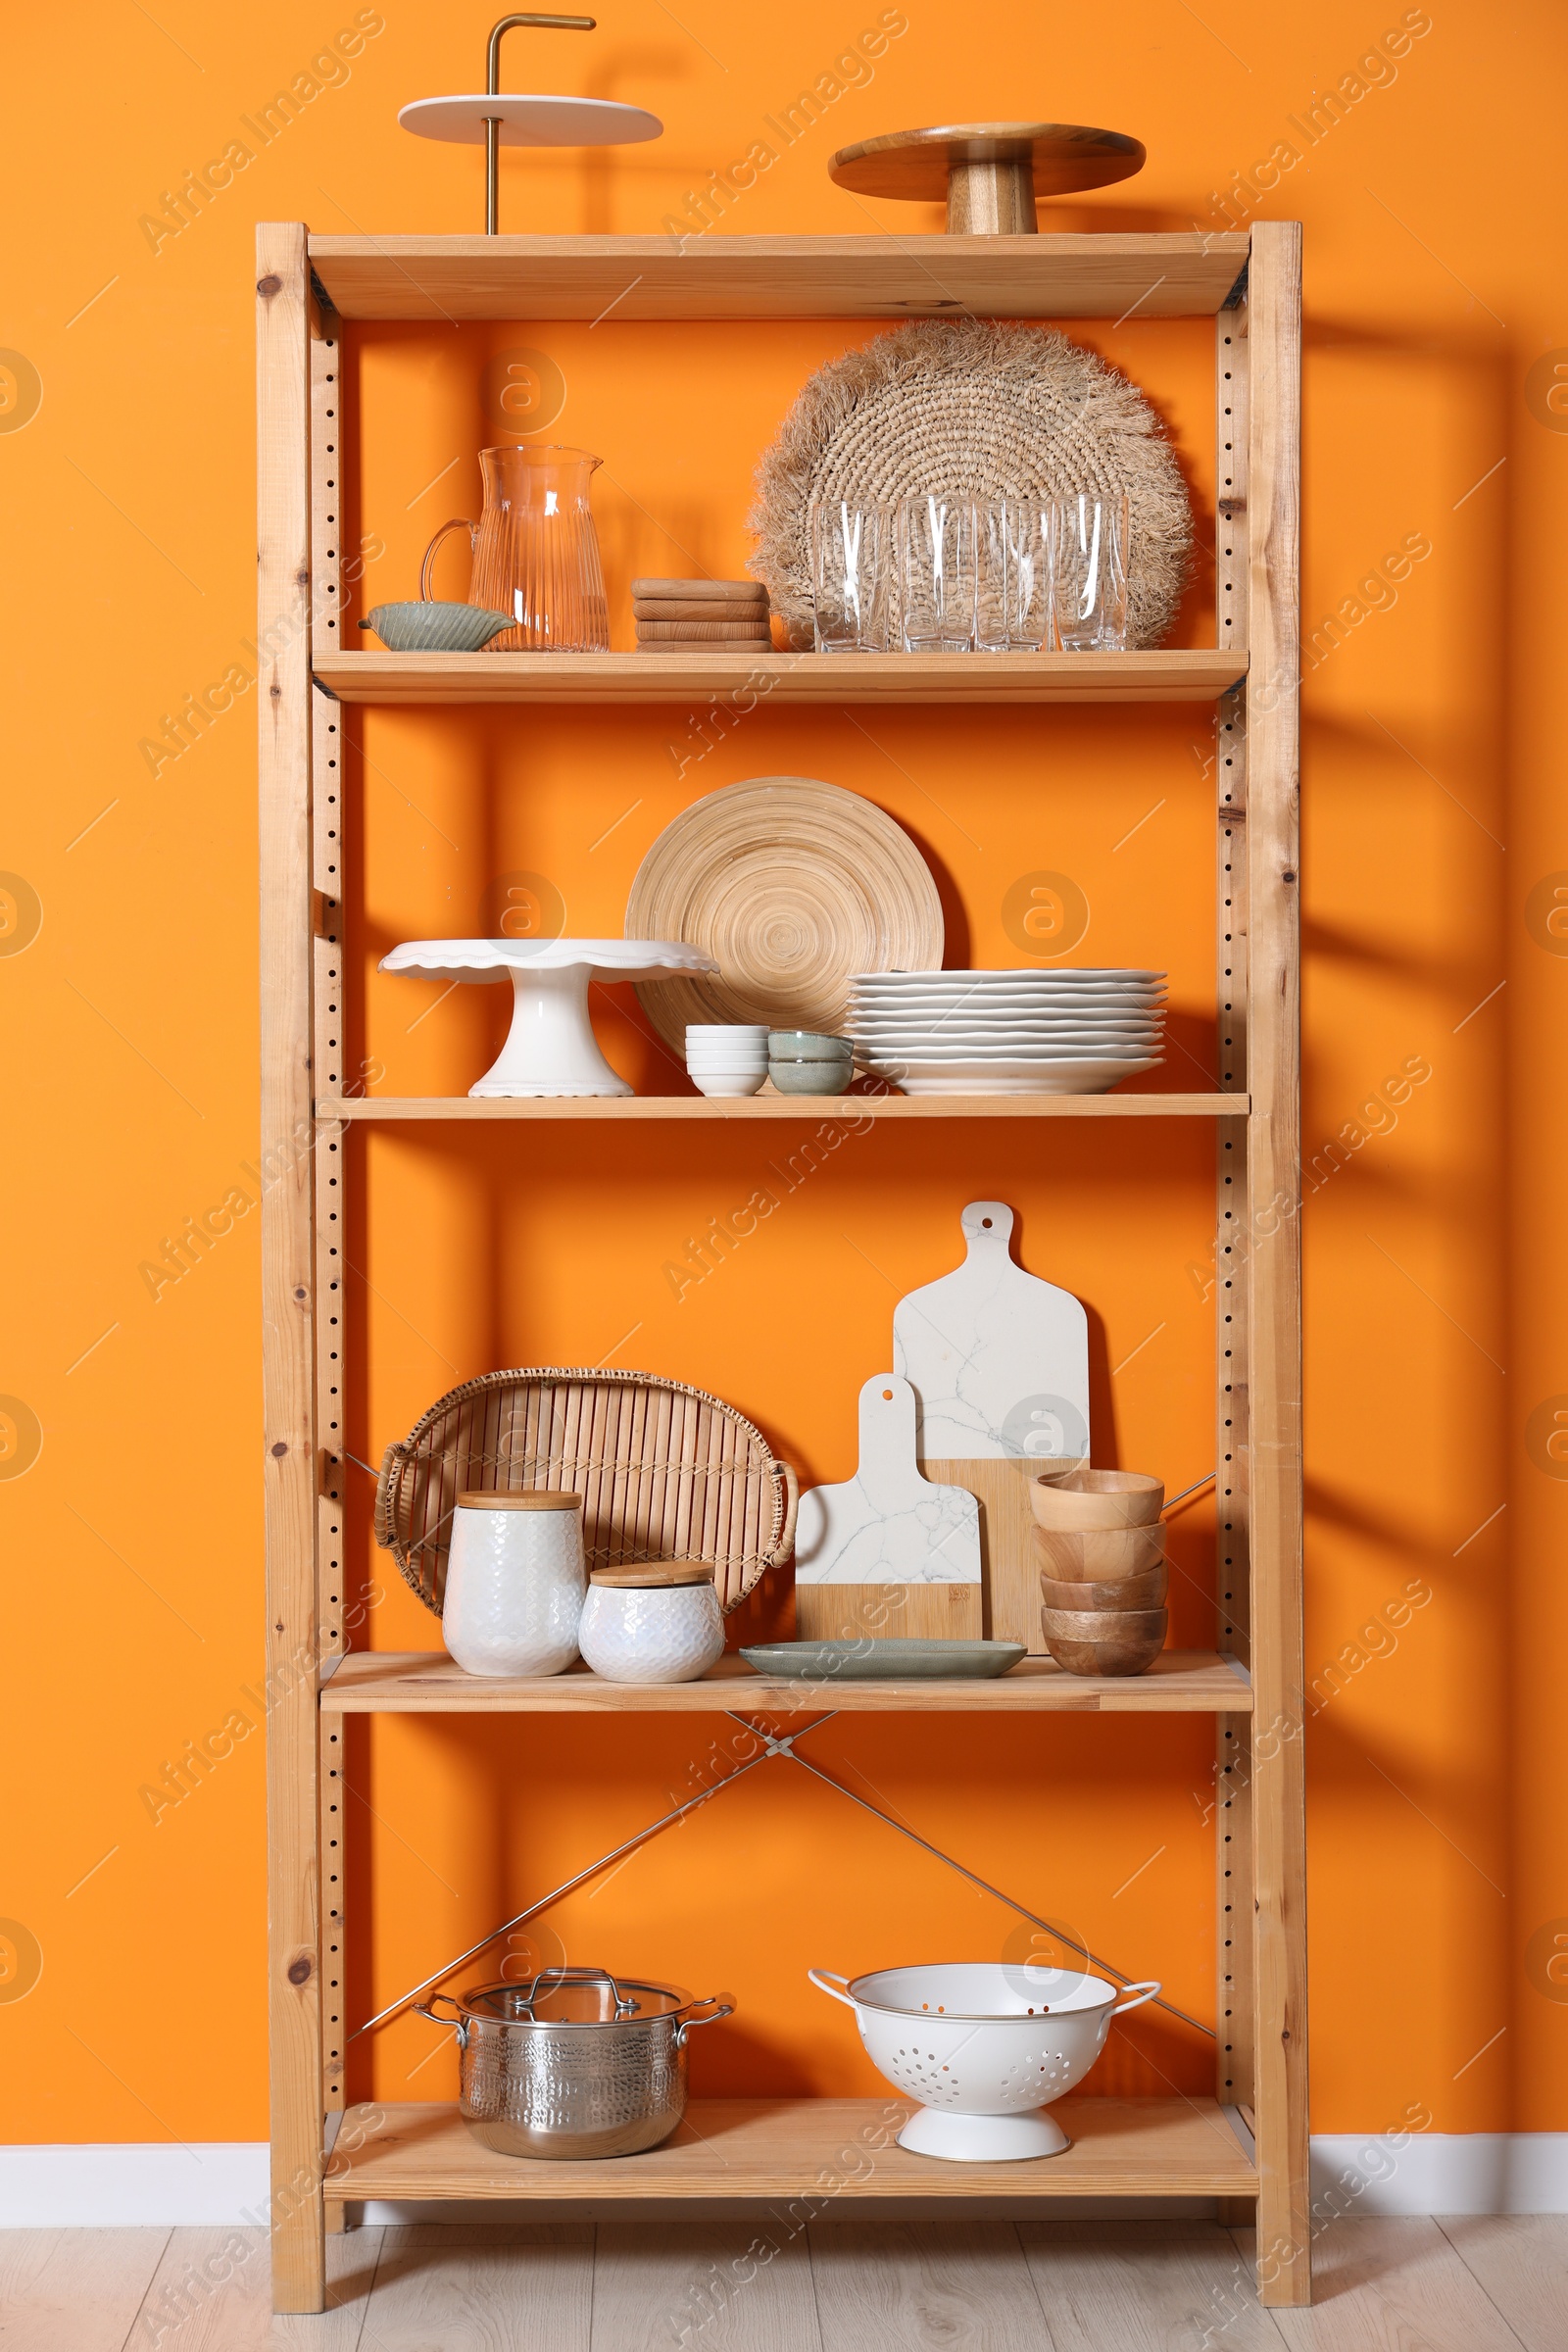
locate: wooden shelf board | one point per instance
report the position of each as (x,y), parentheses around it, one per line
(848,1109)
(796,2147)
(1193,675)
(1180,276)
(1181,1682)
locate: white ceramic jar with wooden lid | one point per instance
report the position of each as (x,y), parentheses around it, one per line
(515,1583)
(659,1623)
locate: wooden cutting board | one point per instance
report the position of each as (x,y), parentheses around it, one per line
(998,1361)
(887,1553)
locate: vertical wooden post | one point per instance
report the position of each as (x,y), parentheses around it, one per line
(1272,1258)
(1234,1973)
(288,1272)
(331,1153)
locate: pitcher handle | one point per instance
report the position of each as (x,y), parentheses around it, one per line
(1145,1991)
(835,1986)
(459,523)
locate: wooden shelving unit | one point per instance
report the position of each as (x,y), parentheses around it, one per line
(813,1108)
(798,2147)
(745,682)
(1247,2144)
(1183,1682)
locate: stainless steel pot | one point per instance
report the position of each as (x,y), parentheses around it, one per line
(575,2063)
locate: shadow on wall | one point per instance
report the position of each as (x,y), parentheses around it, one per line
(1424,788)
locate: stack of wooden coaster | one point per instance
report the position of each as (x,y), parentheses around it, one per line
(720,616)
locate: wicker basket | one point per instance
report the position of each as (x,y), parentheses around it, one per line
(665,1472)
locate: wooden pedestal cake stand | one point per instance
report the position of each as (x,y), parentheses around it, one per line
(989,174)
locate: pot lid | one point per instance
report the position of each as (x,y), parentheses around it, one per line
(576,1997)
(540,1500)
(651,1575)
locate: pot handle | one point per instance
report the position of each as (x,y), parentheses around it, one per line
(714,2005)
(459,523)
(826,1981)
(1145,1991)
(428,2009)
(549,1979)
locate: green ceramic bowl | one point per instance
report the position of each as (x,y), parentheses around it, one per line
(435,628)
(807,1045)
(811,1077)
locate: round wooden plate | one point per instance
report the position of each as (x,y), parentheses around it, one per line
(792,887)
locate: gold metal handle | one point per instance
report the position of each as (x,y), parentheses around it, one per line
(492,84)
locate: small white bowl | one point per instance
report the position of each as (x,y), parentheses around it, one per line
(707,1032)
(713,1082)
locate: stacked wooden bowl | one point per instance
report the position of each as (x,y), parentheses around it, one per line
(721,616)
(1102,1572)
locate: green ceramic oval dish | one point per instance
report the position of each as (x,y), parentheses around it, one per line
(435,628)
(874,1661)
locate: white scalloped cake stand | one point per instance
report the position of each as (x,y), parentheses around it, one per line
(551,1048)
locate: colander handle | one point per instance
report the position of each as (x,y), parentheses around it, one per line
(428,2009)
(1145,1991)
(838,1988)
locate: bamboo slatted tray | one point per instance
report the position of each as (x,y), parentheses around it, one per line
(664,1471)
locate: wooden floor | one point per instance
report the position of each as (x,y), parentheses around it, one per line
(745,2282)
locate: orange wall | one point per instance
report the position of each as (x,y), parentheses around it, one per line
(1434,837)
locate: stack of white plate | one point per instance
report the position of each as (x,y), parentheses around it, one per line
(1066,1032)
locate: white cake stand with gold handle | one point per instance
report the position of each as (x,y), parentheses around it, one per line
(509,119)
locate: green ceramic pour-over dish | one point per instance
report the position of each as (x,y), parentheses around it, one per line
(435,628)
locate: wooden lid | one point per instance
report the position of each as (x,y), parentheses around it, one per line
(914,164)
(539,1501)
(748,592)
(650,1575)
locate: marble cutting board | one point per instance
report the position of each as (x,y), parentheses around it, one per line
(998,1361)
(888,1551)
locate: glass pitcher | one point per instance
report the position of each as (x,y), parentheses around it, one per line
(535,552)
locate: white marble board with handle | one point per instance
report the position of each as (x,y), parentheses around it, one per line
(998,1361)
(917,1543)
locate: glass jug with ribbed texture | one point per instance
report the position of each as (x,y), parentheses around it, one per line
(536,551)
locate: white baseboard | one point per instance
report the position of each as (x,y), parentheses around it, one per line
(224,2182)
(1441,2172)
(160,2185)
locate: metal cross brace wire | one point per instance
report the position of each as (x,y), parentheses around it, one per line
(786,1747)
(771,1746)
(628,1845)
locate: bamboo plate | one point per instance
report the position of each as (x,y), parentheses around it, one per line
(793,887)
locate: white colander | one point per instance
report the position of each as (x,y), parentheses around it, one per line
(982,2047)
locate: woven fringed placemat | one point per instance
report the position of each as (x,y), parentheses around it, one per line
(970,409)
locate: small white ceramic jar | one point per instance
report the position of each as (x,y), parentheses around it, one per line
(657,1624)
(515,1583)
